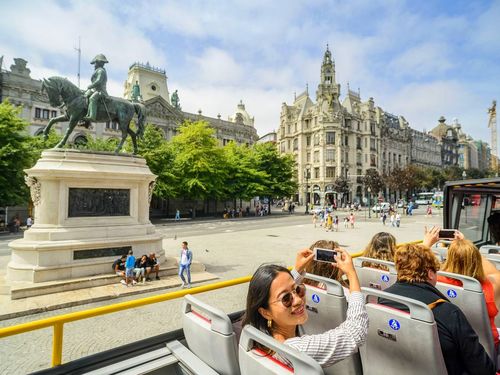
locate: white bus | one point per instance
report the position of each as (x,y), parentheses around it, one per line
(424,198)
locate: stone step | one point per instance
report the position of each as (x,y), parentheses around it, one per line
(20,290)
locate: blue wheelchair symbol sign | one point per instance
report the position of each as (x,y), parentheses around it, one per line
(394,324)
(315,298)
(451,293)
(385,278)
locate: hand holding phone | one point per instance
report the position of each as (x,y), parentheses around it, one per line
(447,234)
(324,255)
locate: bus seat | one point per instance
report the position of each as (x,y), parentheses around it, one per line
(399,342)
(255,361)
(470,299)
(492,253)
(327,309)
(441,252)
(372,277)
(210,336)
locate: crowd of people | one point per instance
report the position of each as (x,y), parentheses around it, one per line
(276,298)
(330,222)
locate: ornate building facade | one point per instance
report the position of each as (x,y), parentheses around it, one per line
(330,139)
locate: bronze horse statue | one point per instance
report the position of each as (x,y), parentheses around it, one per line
(114,109)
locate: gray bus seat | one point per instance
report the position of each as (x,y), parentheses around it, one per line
(399,342)
(327,309)
(492,253)
(470,299)
(441,252)
(255,362)
(210,336)
(194,364)
(372,277)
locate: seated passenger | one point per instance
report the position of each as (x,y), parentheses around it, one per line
(494,227)
(276,306)
(417,269)
(382,246)
(464,258)
(326,269)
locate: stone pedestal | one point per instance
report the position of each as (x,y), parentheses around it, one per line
(89,209)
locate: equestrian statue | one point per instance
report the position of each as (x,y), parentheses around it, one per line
(93,105)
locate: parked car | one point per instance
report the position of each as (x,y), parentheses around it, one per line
(381,207)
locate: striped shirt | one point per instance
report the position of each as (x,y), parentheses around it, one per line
(338,343)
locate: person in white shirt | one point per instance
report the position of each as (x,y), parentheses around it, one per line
(276,306)
(185,264)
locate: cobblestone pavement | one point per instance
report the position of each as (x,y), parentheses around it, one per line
(228,248)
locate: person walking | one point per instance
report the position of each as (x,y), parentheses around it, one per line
(336,223)
(329,222)
(351,220)
(177,215)
(384,218)
(29,222)
(392,219)
(129,268)
(315,219)
(398,219)
(185,265)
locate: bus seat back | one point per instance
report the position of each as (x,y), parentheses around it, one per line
(210,336)
(327,309)
(399,342)
(254,361)
(373,277)
(470,299)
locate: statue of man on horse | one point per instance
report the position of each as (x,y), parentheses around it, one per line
(93,105)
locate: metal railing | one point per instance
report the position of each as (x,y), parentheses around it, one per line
(57,322)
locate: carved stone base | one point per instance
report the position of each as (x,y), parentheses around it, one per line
(89,209)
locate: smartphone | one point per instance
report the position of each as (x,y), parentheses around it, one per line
(447,234)
(324,255)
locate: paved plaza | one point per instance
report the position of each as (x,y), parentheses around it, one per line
(228,248)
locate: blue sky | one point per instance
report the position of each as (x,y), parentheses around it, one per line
(418,59)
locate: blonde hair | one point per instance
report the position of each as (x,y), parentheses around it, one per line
(464,258)
(322,268)
(382,246)
(413,262)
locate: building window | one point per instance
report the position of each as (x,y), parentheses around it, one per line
(295,127)
(295,144)
(283,147)
(38,113)
(330,138)
(308,157)
(308,140)
(289,145)
(373,162)
(358,143)
(330,172)
(358,159)
(289,129)
(45,114)
(316,172)
(373,144)
(307,123)
(399,159)
(330,155)
(372,128)
(316,139)
(346,141)
(316,156)
(53,113)
(346,158)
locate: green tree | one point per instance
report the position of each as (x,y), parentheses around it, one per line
(280,180)
(341,185)
(199,163)
(373,181)
(159,156)
(16,154)
(245,181)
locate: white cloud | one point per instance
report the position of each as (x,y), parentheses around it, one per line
(422,60)
(215,66)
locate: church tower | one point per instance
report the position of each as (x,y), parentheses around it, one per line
(328,90)
(152,82)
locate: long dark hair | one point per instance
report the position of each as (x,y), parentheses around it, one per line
(258,295)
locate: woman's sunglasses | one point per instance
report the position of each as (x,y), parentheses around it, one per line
(287,298)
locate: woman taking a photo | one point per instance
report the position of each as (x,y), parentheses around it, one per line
(276,306)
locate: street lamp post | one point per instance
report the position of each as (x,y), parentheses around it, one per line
(306,177)
(369,203)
